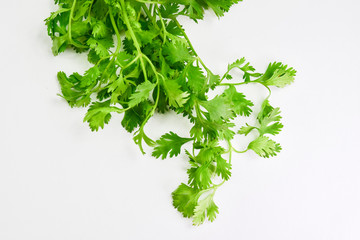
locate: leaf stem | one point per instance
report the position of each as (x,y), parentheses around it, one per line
(118,37)
(162,22)
(70,19)
(132,34)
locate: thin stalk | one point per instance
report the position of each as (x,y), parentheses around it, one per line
(118,37)
(132,34)
(70,18)
(70,28)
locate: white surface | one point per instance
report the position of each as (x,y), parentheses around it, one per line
(58,180)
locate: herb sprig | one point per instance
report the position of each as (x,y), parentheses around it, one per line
(143,63)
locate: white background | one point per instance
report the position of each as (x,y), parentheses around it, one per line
(58,180)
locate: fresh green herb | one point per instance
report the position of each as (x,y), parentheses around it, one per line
(143,63)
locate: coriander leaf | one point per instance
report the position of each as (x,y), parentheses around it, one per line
(169,10)
(196,79)
(70,92)
(213,80)
(169,143)
(223,168)
(238,103)
(79,30)
(140,136)
(60,44)
(205,208)
(173,29)
(278,75)
(99,114)
(100,46)
(264,147)
(141,94)
(176,51)
(218,109)
(90,76)
(117,88)
(93,57)
(209,153)
(100,29)
(269,115)
(246,68)
(82,9)
(177,98)
(237,64)
(200,176)
(135,116)
(185,199)
(246,129)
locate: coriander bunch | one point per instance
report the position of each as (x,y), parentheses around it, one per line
(144,63)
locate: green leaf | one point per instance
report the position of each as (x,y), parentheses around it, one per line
(278,75)
(246,129)
(223,168)
(200,176)
(101,46)
(246,68)
(59,44)
(79,29)
(141,94)
(169,10)
(196,79)
(218,108)
(99,114)
(135,116)
(81,10)
(100,29)
(100,9)
(177,98)
(146,36)
(238,103)
(213,80)
(176,52)
(171,144)
(140,136)
(265,147)
(237,64)
(75,97)
(173,29)
(205,207)
(185,199)
(269,118)
(117,88)
(90,76)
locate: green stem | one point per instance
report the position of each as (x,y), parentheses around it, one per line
(71,41)
(234,84)
(162,23)
(118,37)
(129,64)
(70,19)
(237,151)
(230,152)
(267,98)
(148,14)
(132,34)
(89,13)
(224,76)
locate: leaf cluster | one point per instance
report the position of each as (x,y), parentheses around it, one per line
(144,63)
